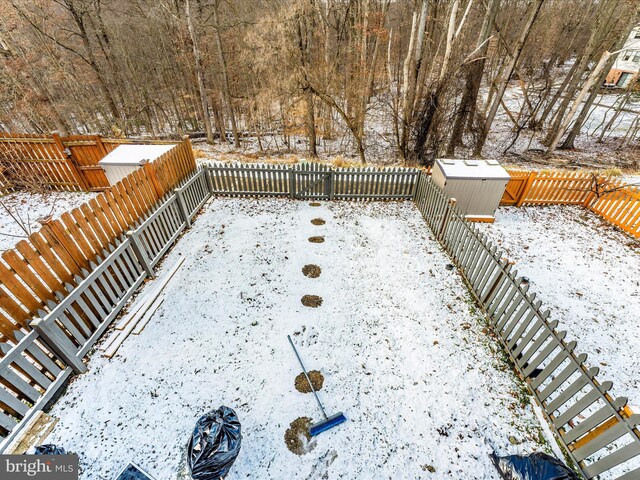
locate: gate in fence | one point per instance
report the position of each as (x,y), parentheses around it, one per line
(311,181)
(598,431)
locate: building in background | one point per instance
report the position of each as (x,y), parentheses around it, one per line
(627,65)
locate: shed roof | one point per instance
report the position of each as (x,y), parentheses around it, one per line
(486,169)
(134,154)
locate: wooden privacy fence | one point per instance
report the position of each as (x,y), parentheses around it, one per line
(598,431)
(620,205)
(608,197)
(36,364)
(61,163)
(56,254)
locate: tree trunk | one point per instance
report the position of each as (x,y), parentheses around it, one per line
(586,108)
(486,127)
(576,103)
(226,95)
(473,81)
(206,115)
(311,123)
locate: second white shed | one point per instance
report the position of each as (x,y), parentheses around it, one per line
(477,185)
(127,158)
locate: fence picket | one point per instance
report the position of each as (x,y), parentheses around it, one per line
(558,378)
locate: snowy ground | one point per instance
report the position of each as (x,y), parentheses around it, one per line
(588,274)
(402,350)
(19,212)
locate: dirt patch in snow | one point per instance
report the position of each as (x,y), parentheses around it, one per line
(297,436)
(394,270)
(311,271)
(314,204)
(313,301)
(316,239)
(317,380)
(318,221)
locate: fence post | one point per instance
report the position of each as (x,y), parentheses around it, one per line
(328,186)
(140,252)
(101,147)
(71,162)
(593,195)
(183,207)
(415,185)
(292,182)
(151,174)
(525,190)
(447,216)
(207,176)
(58,342)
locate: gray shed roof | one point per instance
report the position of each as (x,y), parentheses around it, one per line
(467,169)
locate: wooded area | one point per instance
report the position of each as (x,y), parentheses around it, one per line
(425,78)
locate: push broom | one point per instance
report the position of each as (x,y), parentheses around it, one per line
(328,422)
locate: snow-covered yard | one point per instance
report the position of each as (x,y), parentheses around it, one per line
(427,394)
(19,212)
(588,274)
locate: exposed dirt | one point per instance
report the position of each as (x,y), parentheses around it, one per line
(311,271)
(314,204)
(317,380)
(313,301)
(318,221)
(297,436)
(316,239)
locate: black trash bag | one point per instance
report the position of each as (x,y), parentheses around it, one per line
(214,444)
(537,466)
(49,450)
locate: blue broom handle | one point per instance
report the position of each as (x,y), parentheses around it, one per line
(307,376)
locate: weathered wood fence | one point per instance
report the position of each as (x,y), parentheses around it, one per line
(60,163)
(598,431)
(76,274)
(313,181)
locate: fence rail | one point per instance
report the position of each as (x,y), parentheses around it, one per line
(36,365)
(598,431)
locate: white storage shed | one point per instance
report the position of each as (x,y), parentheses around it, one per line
(477,185)
(128,158)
